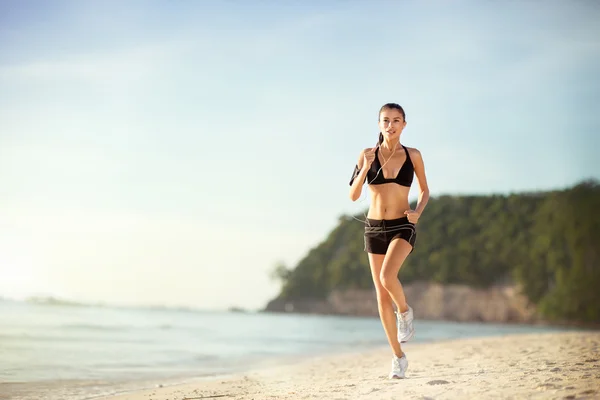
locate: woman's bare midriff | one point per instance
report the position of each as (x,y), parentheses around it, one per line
(388,201)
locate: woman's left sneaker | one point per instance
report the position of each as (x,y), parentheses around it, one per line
(406,330)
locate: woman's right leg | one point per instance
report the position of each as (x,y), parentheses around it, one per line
(385,304)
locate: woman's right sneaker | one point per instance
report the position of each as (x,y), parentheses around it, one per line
(406,330)
(399,366)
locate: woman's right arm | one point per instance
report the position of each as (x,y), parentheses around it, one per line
(358,177)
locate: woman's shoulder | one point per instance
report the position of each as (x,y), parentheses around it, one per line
(413,151)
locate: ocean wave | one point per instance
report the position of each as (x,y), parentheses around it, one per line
(113,328)
(26,337)
(53,301)
(94,327)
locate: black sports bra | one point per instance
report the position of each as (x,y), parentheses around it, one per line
(375,173)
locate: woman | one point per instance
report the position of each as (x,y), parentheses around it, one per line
(390,232)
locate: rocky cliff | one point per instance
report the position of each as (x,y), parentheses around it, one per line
(429,301)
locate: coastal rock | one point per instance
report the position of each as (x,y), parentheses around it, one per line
(429,300)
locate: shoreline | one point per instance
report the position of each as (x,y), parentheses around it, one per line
(558,324)
(532,365)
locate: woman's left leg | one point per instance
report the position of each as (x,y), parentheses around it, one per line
(396,253)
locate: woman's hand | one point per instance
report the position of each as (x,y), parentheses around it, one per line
(368,158)
(412,215)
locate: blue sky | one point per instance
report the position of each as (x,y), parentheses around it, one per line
(172,152)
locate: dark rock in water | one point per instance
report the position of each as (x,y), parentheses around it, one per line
(438,382)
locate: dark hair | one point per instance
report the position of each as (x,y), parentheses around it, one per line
(390,106)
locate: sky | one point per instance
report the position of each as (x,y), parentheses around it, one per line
(173,152)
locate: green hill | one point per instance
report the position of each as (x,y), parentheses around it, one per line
(546,242)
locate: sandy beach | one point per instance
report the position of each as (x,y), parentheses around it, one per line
(528,366)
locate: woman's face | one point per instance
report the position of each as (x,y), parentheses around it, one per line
(391,123)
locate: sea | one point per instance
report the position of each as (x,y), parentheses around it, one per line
(61,351)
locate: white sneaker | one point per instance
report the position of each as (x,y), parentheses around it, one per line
(406,330)
(399,366)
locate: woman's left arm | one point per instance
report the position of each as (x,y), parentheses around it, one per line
(419,166)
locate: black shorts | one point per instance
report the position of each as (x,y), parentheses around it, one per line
(379,233)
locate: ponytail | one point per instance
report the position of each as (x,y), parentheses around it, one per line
(380,137)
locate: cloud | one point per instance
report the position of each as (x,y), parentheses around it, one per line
(135,63)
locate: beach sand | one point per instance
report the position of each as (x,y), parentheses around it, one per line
(531,366)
